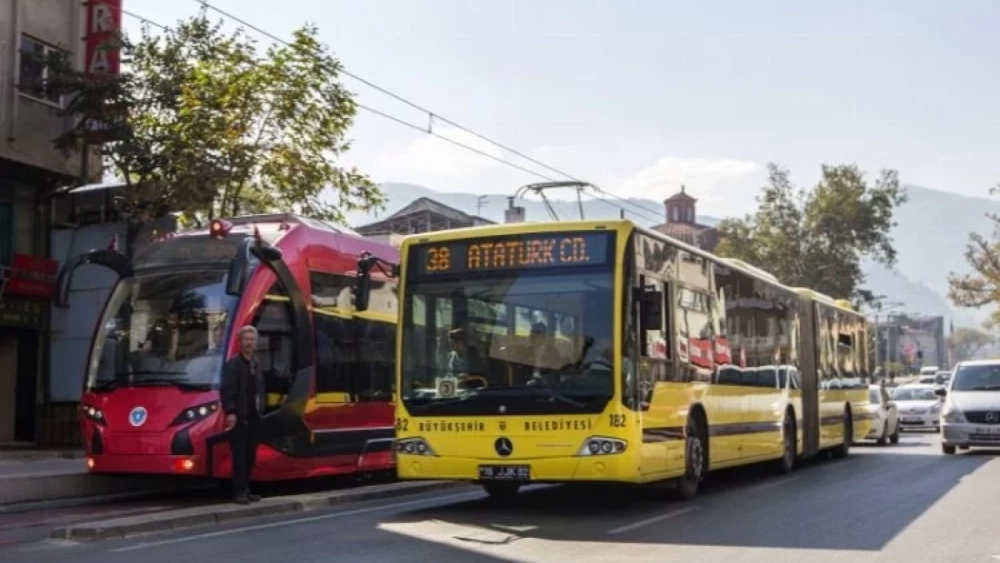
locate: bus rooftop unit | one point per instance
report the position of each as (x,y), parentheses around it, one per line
(150,401)
(601,351)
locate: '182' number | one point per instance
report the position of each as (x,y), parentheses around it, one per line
(616,420)
(402,424)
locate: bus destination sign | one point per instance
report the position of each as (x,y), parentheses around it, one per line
(512,253)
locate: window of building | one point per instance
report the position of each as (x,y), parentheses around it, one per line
(33,74)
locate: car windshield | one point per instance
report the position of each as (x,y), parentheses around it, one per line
(874,397)
(162,329)
(534,341)
(977,378)
(914,394)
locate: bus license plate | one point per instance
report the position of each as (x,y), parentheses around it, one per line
(505,472)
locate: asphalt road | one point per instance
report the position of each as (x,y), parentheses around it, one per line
(906,503)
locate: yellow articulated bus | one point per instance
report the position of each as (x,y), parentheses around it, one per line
(600,351)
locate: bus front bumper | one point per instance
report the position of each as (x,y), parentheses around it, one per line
(608,468)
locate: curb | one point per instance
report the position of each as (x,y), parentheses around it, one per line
(41,487)
(186,518)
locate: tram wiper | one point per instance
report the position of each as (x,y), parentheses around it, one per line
(167,381)
(109,385)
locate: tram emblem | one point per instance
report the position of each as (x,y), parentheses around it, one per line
(138,416)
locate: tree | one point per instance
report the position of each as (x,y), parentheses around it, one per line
(965,343)
(817,238)
(205,124)
(981,287)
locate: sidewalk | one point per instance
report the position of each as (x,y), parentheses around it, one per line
(33,476)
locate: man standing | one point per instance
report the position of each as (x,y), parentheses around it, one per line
(243,396)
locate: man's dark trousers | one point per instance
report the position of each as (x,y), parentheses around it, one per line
(244,439)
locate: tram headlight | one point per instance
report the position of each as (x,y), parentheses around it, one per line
(94,414)
(195,413)
(602,445)
(414,446)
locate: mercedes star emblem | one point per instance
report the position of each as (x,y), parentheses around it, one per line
(503,446)
(992,417)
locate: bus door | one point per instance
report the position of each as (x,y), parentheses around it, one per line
(655,364)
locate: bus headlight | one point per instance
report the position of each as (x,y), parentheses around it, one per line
(94,414)
(601,445)
(196,413)
(414,446)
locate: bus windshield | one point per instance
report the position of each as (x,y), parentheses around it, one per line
(525,342)
(162,329)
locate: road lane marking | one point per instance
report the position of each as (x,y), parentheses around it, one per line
(460,496)
(772,484)
(653,520)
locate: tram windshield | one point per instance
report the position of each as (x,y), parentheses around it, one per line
(163,329)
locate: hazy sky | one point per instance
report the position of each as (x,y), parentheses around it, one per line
(641,96)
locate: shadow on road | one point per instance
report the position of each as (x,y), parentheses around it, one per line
(860,503)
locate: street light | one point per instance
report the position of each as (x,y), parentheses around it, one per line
(880,306)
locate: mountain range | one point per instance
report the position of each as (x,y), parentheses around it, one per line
(930,237)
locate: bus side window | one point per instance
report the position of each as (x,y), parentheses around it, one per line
(273,321)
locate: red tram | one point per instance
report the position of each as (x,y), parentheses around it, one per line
(150,401)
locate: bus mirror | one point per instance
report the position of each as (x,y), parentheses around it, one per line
(651,308)
(237,279)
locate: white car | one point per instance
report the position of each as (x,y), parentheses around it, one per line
(970,416)
(885,417)
(919,407)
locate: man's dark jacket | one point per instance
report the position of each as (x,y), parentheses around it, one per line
(235,390)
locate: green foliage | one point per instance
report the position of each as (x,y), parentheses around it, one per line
(965,343)
(214,126)
(817,238)
(981,287)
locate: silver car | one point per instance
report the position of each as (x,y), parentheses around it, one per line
(919,406)
(970,416)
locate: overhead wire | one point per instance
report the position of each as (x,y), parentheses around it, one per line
(634,208)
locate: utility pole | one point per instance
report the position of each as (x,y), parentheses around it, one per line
(479,204)
(880,306)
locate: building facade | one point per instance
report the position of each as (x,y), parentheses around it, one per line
(422,215)
(912,341)
(31,171)
(681,223)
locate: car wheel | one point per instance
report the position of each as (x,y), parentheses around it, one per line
(947,450)
(884,435)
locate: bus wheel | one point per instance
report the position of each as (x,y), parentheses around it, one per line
(694,461)
(844,448)
(788,445)
(501,491)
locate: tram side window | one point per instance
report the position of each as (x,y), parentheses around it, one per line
(334,357)
(377,349)
(334,336)
(273,321)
